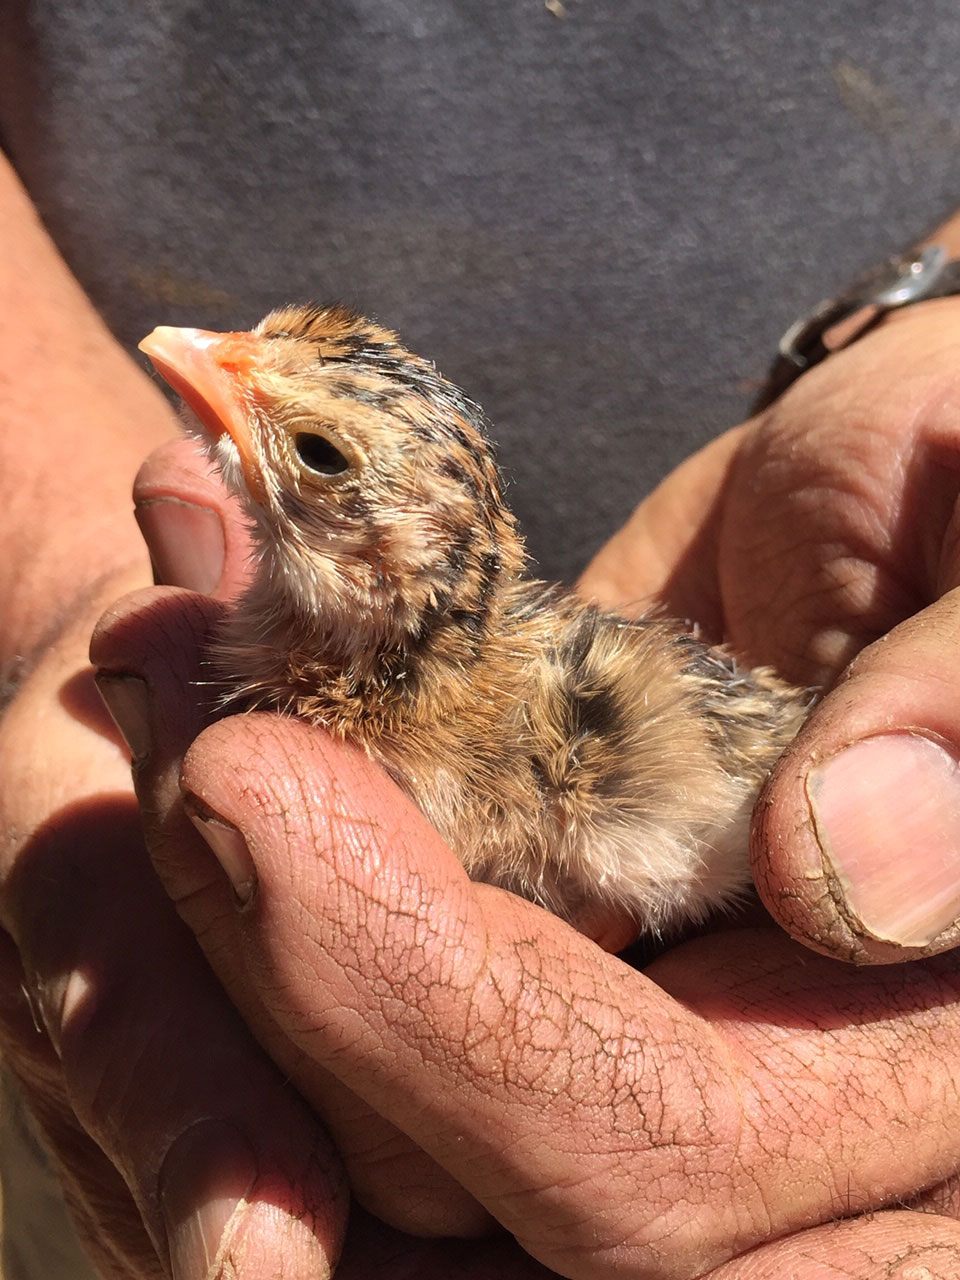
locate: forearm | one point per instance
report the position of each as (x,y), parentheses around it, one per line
(76,418)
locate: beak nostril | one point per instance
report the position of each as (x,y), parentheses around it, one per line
(237,353)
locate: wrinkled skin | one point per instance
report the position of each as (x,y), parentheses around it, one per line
(475,1059)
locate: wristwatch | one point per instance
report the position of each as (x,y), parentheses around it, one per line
(898,282)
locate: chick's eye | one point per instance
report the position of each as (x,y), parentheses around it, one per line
(319,454)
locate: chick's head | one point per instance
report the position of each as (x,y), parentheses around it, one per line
(367,476)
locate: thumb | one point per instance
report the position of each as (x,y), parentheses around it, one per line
(856,838)
(194,529)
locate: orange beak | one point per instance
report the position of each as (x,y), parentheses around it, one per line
(209,370)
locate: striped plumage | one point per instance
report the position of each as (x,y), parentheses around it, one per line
(601,767)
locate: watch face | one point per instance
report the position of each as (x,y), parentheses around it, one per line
(906,280)
(894,283)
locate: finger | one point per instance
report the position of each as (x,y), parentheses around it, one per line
(839,500)
(102,1209)
(151,649)
(599,1119)
(894,1245)
(856,838)
(220,1158)
(193,527)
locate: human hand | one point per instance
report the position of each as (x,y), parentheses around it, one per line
(180,1148)
(617,1123)
(162,1117)
(822,538)
(164,1120)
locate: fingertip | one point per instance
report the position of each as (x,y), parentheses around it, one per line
(234,1204)
(856,837)
(228,845)
(319,833)
(262,764)
(856,850)
(886,816)
(179,467)
(187,543)
(204,1180)
(194,528)
(152,625)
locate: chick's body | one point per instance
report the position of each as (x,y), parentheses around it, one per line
(601,767)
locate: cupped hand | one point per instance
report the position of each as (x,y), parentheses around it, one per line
(822,538)
(180,1147)
(707,1112)
(714,1107)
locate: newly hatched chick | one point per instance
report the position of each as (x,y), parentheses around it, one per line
(603,768)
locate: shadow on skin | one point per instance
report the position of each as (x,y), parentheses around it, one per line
(80,698)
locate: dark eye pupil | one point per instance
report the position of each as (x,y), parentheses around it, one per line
(316,452)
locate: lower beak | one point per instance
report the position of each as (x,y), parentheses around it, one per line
(209,371)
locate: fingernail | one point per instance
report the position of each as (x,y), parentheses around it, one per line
(127,701)
(229,848)
(204,1182)
(186,543)
(886,812)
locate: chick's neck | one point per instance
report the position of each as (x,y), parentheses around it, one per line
(380,648)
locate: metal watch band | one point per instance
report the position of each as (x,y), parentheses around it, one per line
(898,282)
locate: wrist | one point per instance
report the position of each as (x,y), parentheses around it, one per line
(835,323)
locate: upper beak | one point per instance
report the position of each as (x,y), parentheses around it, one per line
(209,370)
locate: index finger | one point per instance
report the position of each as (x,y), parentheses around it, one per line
(611,1122)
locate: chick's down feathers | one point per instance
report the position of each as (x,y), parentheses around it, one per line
(604,768)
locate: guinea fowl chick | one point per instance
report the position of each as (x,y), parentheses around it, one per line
(603,768)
